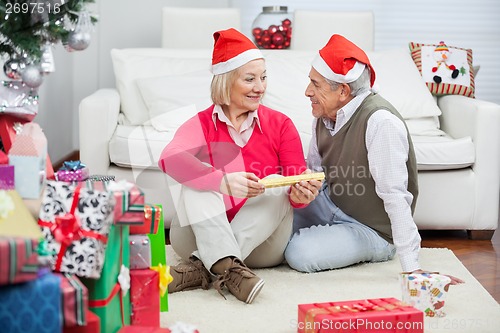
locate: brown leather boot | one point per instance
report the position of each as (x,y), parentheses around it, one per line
(192,275)
(240,281)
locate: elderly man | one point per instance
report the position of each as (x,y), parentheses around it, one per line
(364,212)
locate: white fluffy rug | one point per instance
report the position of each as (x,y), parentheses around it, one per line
(469,307)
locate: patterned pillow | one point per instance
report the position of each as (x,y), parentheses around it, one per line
(445,69)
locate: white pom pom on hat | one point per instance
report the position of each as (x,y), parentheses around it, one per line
(232,49)
(340,60)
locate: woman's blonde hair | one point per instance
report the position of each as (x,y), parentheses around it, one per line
(220,88)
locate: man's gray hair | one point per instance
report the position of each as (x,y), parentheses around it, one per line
(359,86)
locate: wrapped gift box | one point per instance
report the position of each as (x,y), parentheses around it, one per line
(158,255)
(72,171)
(6,173)
(109,296)
(34,306)
(16,221)
(93,325)
(369,315)
(144,297)
(140,252)
(151,216)
(129,209)
(18,260)
(426,292)
(28,156)
(75,221)
(9,128)
(74,301)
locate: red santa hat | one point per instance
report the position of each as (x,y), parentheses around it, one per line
(340,60)
(232,49)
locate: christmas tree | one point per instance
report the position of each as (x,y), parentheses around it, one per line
(28,29)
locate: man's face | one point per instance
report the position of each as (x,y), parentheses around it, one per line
(325,102)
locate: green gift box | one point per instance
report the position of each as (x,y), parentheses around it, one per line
(158,255)
(109,296)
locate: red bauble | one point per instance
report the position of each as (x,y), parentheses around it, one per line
(286,22)
(272,29)
(278,39)
(257,32)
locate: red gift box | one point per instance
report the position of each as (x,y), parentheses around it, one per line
(93,325)
(18,260)
(151,216)
(144,297)
(143,329)
(381,315)
(129,207)
(75,297)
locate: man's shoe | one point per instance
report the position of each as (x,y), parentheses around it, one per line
(192,275)
(240,281)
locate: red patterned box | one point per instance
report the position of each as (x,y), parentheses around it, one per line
(144,297)
(18,260)
(93,325)
(360,316)
(129,208)
(75,301)
(151,217)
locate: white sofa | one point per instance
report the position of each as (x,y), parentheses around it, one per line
(457,139)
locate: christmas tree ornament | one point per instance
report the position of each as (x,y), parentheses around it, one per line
(79,38)
(13,68)
(32,76)
(78,41)
(47,64)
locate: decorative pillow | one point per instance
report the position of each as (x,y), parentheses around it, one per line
(445,69)
(137,63)
(173,99)
(398,81)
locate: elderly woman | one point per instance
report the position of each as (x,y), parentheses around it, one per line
(225,219)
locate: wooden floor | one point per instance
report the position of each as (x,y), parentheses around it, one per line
(479,256)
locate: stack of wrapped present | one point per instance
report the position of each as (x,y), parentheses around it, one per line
(89,227)
(70,270)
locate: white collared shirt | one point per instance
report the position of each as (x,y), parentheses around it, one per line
(387,145)
(242,136)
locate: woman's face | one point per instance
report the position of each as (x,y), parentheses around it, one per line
(249,86)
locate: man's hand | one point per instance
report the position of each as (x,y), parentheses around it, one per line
(454,280)
(241,185)
(305,191)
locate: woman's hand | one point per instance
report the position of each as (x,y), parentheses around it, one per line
(305,191)
(454,280)
(241,185)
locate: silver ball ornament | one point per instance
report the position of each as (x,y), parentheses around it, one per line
(78,40)
(32,76)
(13,68)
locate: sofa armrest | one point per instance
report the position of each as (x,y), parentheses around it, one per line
(464,116)
(98,114)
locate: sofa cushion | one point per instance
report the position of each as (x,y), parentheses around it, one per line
(399,81)
(132,64)
(173,99)
(443,152)
(463,84)
(137,146)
